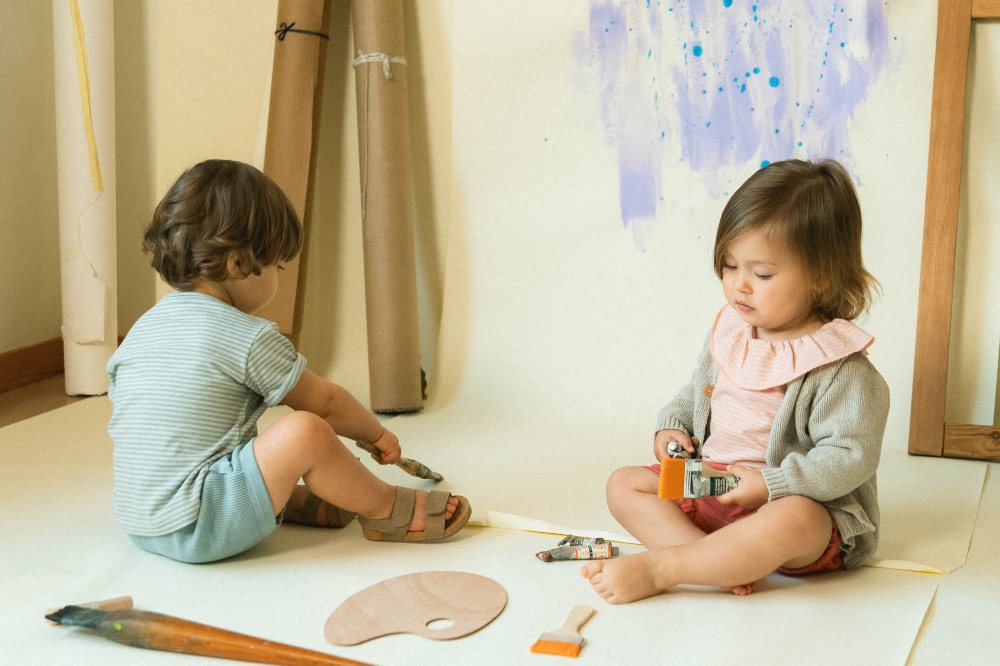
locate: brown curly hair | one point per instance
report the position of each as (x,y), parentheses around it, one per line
(215,209)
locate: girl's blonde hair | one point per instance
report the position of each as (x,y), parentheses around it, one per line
(213,210)
(811,206)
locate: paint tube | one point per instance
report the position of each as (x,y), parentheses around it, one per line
(675,450)
(570,540)
(704,480)
(597,551)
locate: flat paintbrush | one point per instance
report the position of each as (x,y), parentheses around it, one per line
(408,465)
(565,641)
(155,631)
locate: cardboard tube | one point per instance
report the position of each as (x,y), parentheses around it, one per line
(386,204)
(83,52)
(289,154)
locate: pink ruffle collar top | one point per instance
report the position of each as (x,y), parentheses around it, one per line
(762,364)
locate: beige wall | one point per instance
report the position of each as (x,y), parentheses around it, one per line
(192,82)
(29,231)
(189,89)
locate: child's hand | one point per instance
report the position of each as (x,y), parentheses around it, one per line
(388,446)
(751,493)
(664,437)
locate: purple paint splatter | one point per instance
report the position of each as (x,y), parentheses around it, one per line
(724,84)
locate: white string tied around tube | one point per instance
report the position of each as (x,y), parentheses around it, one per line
(364,58)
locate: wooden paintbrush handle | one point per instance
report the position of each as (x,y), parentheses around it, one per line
(155,631)
(577,618)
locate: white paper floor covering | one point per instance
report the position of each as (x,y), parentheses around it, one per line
(60,546)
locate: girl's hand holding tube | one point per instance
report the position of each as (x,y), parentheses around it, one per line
(664,437)
(751,493)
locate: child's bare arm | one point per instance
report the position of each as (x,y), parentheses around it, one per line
(337,406)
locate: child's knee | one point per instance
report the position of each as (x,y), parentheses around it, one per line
(620,487)
(800,516)
(306,429)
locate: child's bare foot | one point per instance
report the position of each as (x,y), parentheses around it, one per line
(741,590)
(626,579)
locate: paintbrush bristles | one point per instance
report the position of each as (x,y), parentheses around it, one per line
(672,475)
(558,647)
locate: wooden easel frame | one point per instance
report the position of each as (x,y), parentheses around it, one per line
(929,434)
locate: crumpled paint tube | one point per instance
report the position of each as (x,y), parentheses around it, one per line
(579,548)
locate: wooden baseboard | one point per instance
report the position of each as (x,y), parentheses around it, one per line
(30,364)
(971,441)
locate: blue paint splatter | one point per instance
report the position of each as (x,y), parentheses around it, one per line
(679,57)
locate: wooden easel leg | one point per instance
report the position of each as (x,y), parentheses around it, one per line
(937,266)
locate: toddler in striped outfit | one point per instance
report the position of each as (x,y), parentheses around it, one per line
(783,396)
(194,481)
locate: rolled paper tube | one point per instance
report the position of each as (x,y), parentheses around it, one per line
(83,53)
(386,205)
(289,153)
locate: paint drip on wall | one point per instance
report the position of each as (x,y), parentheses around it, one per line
(723,83)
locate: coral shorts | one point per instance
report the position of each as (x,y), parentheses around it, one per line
(710,515)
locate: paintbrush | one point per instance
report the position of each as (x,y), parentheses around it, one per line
(565,641)
(155,631)
(684,478)
(408,465)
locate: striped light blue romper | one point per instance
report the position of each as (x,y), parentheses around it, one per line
(188,385)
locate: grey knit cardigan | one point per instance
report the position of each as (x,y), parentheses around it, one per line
(825,442)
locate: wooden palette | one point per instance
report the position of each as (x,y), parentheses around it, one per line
(434,604)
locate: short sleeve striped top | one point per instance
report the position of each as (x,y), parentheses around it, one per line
(188,385)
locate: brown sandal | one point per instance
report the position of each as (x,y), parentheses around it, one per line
(318,512)
(436,527)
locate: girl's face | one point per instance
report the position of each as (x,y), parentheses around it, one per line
(768,285)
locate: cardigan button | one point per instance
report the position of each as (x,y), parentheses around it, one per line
(709,390)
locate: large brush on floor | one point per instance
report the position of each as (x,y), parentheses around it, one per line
(155,631)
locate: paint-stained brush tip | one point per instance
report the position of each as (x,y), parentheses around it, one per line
(558,645)
(672,471)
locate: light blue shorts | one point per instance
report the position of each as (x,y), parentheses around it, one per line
(235,514)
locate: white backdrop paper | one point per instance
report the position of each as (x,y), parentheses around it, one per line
(83,46)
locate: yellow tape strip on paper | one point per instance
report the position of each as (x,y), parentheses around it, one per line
(84,78)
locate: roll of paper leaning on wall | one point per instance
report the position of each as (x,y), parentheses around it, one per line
(386,205)
(83,50)
(296,84)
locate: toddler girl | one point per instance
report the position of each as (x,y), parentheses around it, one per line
(193,479)
(783,396)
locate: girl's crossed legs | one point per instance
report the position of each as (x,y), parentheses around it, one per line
(792,532)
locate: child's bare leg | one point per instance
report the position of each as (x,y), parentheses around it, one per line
(302,445)
(631,495)
(792,531)
(633,501)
